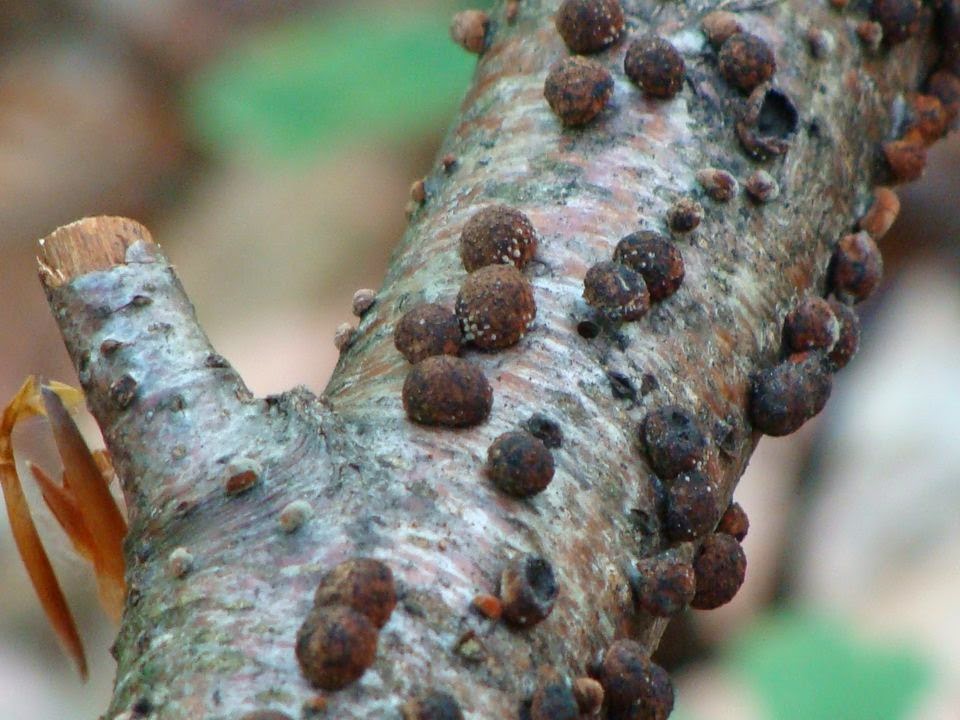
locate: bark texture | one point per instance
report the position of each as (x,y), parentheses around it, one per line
(220,640)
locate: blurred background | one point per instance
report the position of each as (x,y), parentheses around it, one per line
(269,146)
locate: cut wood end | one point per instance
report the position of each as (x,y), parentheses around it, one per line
(87,245)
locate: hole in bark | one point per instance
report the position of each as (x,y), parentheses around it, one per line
(778,115)
(540,579)
(588,329)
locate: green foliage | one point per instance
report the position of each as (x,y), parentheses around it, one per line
(805,667)
(317,82)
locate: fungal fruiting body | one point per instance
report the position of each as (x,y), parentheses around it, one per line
(746,61)
(363,584)
(528,590)
(664,584)
(589,26)
(577,90)
(633,685)
(495,307)
(720,567)
(447,391)
(617,291)
(655,66)
(656,258)
(784,397)
(673,440)
(426,330)
(335,645)
(519,464)
(497,235)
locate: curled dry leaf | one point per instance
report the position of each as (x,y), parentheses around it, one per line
(82,505)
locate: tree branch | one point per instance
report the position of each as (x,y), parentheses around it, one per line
(179,422)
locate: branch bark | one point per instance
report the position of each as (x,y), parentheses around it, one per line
(176,417)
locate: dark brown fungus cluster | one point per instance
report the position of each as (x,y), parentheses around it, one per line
(811,325)
(617,291)
(554,698)
(335,646)
(720,568)
(363,584)
(655,66)
(746,61)
(784,397)
(546,429)
(447,391)
(656,258)
(848,341)
(497,235)
(664,584)
(717,184)
(673,440)
(589,695)
(633,685)
(519,464)
(900,19)
(338,640)
(469,30)
(528,590)
(855,268)
(719,26)
(495,307)
(428,329)
(434,705)
(577,90)
(684,215)
(589,26)
(693,506)
(734,521)
(762,187)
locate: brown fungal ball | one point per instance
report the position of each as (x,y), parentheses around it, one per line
(528,590)
(907,158)
(553,699)
(335,646)
(488,605)
(856,267)
(633,685)
(589,26)
(784,397)
(656,66)
(656,258)
(665,584)
(685,215)
(719,25)
(497,235)
(849,341)
(363,300)
(617,291)
(762,187)
(363,584)
(870,33)
(433,706)
(811,325)
(928,118)
(447,391)
(734,522)
(428,329)
(746,61)
(469,30)
(898,18)
(720,567)
(945,86)
(519,464)
(495,306)
(343,336)
(718,184)
(673,440)
(546,429)
(693,506)
(589,695)
(882,213)
(577,90)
